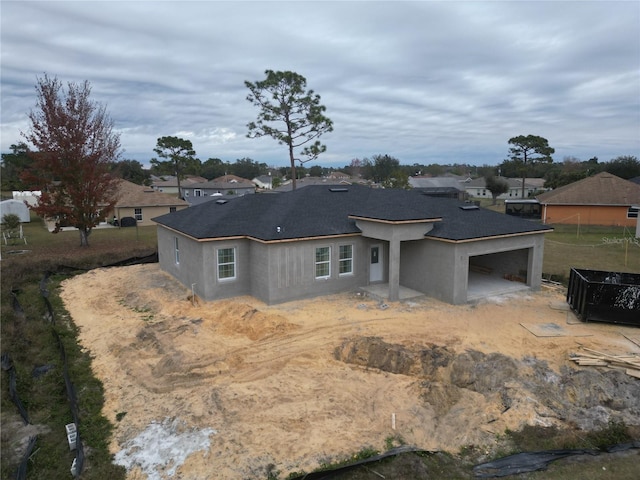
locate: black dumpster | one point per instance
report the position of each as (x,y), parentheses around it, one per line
(605,296)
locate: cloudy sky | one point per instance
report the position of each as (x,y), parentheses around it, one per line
(423,81)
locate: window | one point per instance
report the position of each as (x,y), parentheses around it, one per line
(345,262)
(176,249)
(138,214)
(633,212)
(226,263)
(172,209)
(323,262)
(197,192)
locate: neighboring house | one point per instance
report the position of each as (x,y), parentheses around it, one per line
(308,181)
(265,182)
(30,197)
(603,199)
(225,185)
(338,175)
(143,203)
(447,187)
(321,240)
(169,184)
(15,207)
(477,188)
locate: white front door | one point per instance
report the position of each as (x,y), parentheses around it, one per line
(375,263)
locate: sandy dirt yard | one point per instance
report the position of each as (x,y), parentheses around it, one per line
(224,389)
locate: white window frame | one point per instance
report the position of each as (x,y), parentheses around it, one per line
(137,213)
(225,264)
(633,211)
(346,260)
(197,192)
(323,263)
(176,250)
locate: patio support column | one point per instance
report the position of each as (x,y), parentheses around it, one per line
(394,270)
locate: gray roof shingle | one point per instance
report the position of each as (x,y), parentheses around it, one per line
(319,210)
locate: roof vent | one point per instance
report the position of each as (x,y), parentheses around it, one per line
(338,189)
(469,207)
(221,202)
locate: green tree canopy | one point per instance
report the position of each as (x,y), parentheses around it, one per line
(75,146)
(625,166)
(383,167)
(316,171)
(398,178)
(13,164)
(496,186)
(528,150)
(289,114)
(131,170)
(179,155)
(214,168)
(247,168)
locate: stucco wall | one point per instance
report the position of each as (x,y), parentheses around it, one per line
(189,271)
(273,273)
(587,215)
(292,269)
(427,266)
(285,271)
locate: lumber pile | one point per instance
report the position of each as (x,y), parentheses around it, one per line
(630,363)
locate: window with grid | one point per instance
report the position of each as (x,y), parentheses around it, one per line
(345,262)
(323,262)
(137,212)
(633,212)
(226,263)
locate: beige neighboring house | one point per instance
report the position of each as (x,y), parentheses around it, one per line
(144,203)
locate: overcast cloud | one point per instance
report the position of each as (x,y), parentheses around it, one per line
(426,82)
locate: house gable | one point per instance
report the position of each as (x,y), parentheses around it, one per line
(601,189)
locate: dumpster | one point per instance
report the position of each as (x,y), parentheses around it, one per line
(599,296)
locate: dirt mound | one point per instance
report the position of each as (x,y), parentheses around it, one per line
(373,352)
(528,387)
(236,318)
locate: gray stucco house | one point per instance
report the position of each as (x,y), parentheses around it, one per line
(322,240)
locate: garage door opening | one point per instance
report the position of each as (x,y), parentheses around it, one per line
(497,273)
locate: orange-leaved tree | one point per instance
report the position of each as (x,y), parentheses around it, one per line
(74,147)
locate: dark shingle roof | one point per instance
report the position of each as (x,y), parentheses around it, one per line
(316,211)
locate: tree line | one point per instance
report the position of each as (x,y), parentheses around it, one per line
(382,168)
(73,155)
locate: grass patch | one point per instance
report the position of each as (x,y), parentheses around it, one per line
(591,247)
(610,249)
(29,340)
